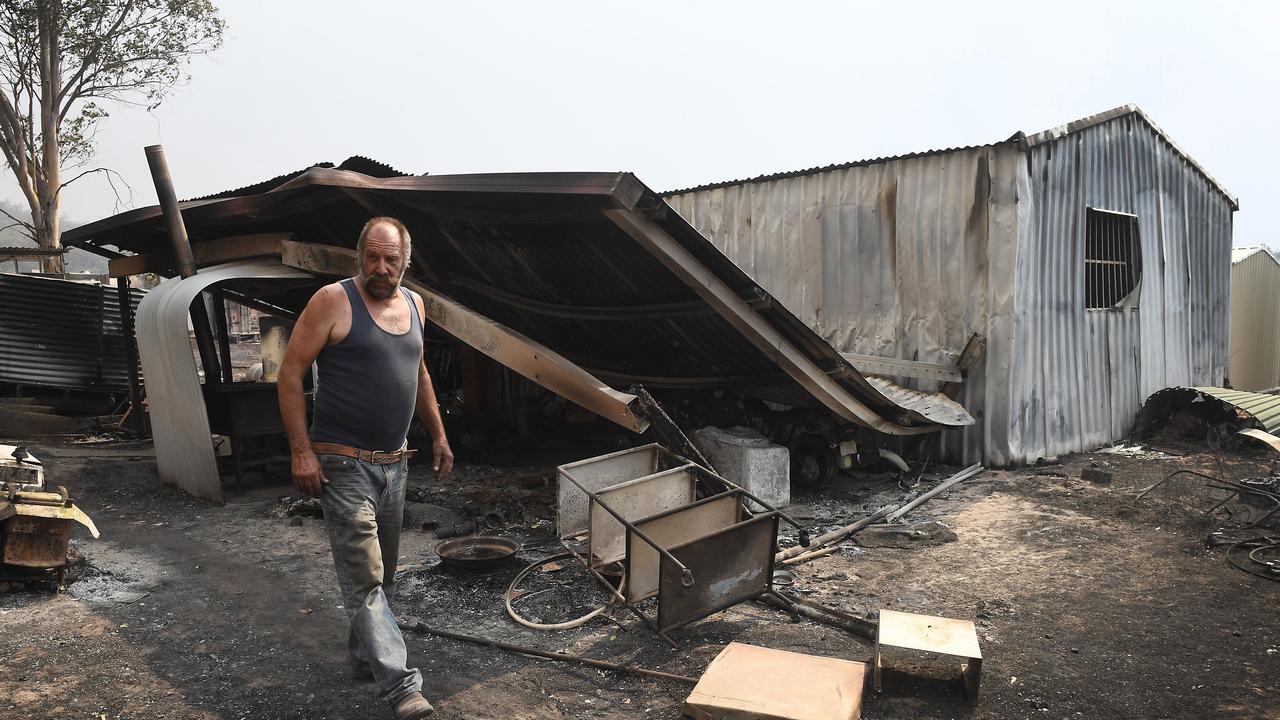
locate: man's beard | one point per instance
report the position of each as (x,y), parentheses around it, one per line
(380,286)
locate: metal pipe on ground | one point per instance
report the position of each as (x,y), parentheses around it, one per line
(964,474)
(525,650)
(798,554)
(832,537)
(811,555)
(861,627)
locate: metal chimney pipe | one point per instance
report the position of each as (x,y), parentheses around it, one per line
(186,260)
(169,205)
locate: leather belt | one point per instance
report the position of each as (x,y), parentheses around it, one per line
(370,456)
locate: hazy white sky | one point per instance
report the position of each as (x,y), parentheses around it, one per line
(683,93)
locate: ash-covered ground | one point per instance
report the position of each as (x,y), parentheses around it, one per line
(1089,602)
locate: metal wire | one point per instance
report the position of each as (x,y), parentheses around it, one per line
(1265,544)
(568,624)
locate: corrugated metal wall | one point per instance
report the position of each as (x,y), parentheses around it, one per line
(1255,323)
(1083,374)
(907,257)
(891,259)
(61,334)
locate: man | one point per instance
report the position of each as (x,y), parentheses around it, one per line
(366,334)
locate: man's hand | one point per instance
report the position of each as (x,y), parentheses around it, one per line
(307,474)
(441,457)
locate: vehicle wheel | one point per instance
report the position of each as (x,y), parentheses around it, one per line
(813,462)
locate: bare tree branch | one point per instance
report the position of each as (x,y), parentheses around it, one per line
(106,171)
(19,222)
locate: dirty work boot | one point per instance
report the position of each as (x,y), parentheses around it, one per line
(413,707)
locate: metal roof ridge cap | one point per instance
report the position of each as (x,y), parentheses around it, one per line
(633,186)
(1061,131)
(1254,250)
(336,176)
(310,176)
(817,170)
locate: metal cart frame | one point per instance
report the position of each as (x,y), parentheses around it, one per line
(687,535)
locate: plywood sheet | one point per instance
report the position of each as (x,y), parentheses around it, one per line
(1263,436)
(636,500)
(669,530)
(929,633)
(746,682)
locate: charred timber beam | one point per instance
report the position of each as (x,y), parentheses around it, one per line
(137,417)
(224,336)
(209,252)
(508,347)
(894,367)
(531,359)
(972,354)
(747,321)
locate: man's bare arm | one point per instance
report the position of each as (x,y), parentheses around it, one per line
(428,410)
(310,335)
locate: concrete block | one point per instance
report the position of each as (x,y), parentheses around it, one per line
(747,458)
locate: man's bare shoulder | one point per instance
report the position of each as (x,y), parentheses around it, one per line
(328,296)
(417,299)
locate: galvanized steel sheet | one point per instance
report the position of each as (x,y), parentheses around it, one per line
(1255,320)
(890,259)
(905,257)
(62,334)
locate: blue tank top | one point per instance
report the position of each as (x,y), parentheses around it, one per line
(368,382)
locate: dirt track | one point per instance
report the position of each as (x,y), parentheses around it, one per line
(1089,604)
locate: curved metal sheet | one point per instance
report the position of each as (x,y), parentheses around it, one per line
(935,406)
(179,421)
(1263,408)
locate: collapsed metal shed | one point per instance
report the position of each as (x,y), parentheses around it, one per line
(1093,257)
(593,267)
(1255,320)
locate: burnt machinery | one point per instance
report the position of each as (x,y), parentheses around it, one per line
(35,524)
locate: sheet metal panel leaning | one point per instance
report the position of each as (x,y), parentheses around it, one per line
(366,335)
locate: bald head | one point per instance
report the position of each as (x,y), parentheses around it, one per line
(383,252)
(387,224)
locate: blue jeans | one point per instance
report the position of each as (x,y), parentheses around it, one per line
(363,509)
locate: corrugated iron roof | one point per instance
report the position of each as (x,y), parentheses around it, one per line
(1241,254)
(355,163)
(1263,408)
(545,238)
(1062,131)
(1050,135)
(816,170)
(31,252)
